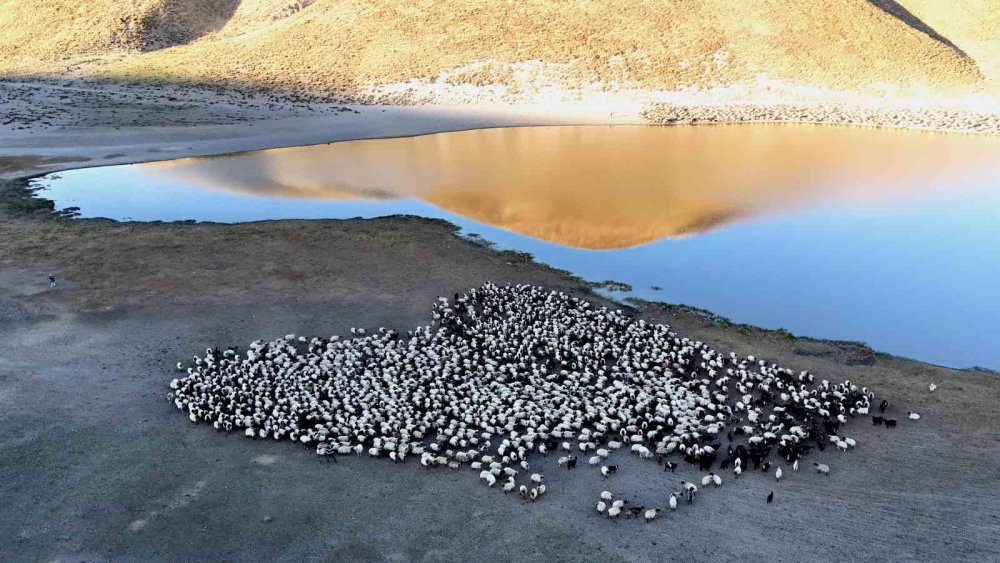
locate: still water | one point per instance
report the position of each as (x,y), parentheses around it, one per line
(889,237)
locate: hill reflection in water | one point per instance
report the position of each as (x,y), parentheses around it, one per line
(603,187)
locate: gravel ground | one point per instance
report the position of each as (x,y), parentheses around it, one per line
(95,463)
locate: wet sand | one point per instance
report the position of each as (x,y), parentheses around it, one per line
(96,464)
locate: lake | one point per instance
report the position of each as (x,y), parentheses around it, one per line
(887,237)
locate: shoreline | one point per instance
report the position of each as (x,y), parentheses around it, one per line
(370,122)
(23,203)
(890,118)
(165,122)
(158,142)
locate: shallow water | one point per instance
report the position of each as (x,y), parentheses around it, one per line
(889,237)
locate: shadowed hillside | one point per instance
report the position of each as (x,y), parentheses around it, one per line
(39,31)
(350,46)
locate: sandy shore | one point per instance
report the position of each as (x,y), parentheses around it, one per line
(95,464)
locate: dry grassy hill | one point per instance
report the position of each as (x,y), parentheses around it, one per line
(973,26)
(348,46)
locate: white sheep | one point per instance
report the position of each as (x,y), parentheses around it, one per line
(822,468)
(594,460)
(601,506)
(777,474)
(536,477)
(606,495)
(651,514)
(913,415)
(614,512)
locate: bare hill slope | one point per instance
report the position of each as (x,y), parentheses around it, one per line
(349,46)
(972,25)
(33,32)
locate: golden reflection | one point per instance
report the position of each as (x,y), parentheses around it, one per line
(608,187)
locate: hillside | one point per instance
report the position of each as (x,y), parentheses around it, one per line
(349,47)
(972,25)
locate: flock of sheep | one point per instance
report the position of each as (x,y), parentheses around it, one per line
(506,374)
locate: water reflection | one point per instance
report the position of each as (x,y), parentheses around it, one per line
(599,187)
(888,237)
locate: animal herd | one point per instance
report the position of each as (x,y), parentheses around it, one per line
(506,375)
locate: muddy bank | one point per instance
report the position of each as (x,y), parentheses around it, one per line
(95,464)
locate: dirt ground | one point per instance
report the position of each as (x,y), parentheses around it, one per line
(95,464)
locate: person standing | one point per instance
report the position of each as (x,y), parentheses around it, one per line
(52,281)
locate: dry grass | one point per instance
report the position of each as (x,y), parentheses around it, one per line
(972,25)
(344,46)
(34,32)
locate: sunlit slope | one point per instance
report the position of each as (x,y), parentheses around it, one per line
(972,25)
(345,46)
(36,32)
